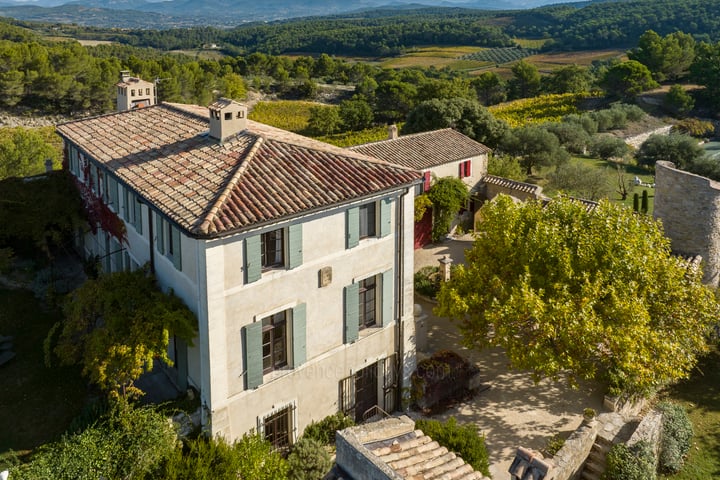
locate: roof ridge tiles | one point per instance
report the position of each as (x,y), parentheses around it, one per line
(227,191)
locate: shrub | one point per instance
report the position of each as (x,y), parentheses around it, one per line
(213,458)
(464,440)
(554,445)
(308,460)
(677,433)
(635,462)
(427,281)
(324,430)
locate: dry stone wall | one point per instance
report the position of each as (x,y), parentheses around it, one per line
(689,207)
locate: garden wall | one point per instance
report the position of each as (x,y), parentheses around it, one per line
(689,207)
(569,460)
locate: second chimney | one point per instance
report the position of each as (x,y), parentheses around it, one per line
(392,132)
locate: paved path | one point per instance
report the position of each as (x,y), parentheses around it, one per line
(514,411)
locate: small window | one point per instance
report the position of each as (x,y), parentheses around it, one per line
(368,303)
(278,429)
(132,93)
(147,91)
(228,115)
(368,223)
(240,114)
(272,249)
(274,342)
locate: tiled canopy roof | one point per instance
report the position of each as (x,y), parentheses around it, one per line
(261,175)
(511,184)
(424,150)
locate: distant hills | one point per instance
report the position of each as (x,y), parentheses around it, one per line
(165,14)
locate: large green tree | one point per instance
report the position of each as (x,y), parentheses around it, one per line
(116,325)
(525,81)
(705,71)
(534,146)
(680,149)
(591,294)
(666,57)
(627,79)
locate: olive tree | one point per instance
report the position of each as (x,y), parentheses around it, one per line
(587,294)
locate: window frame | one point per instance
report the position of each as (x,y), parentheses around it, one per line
(272,325)
(465,169)
(368,217)
(368,302)
(285,418)
(267,239)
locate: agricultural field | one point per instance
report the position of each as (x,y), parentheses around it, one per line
(438,57)
(533,44)
(349,139)
(545,108)
(286,114)
(552,61)
(201,53)
(500,56)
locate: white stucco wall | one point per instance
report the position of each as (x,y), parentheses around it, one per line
(313,387)
(452,169)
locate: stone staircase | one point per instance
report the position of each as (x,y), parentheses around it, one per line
(595,464)
(415,456)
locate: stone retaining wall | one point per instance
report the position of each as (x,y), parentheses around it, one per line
(689,207)
(650,430)
(569,460)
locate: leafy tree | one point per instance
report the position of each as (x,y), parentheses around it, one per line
(324,120)
(694,127)
(586,294)
(23,151)
(127,443)
(251,457)
(682,150)
(448,195)
(355,114)
(607,146)
(534,146)
(572,136)
(569,79)
(233,86)
(525,82)
(505,166)
(666,58)
(490,88)
(678,102)
(116,325)
(465,116)
(586,121)
(440,88)
(394,99)
(580,181)
(627,79)
(705,71)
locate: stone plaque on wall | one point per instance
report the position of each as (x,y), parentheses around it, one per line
(325,276)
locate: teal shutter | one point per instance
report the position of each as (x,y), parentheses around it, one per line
(352,312)
(113,193)
(388,288)
(253,268)
(177,251)
(352,227)
(137,216)
(127,196)
(160,229)
(252,351)
(299,341)
(385,217)
(295,251)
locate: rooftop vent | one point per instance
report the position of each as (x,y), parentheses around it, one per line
(227,118)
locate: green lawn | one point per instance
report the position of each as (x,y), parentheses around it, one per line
(36,403)
(701,396)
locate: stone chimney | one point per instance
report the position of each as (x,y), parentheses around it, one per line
(392,132)
(227,118)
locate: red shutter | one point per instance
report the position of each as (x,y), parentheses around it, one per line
(466,168)
(426,181)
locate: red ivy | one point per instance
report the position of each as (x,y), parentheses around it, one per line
(98,213)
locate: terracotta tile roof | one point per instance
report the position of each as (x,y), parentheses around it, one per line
(415,456)
(425,150)
(261,175)
(511,184)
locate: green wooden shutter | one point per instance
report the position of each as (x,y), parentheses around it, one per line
(252,351)
(160,229)
(299,341)
(295,252)
(253,268)
(127,197)
(352,312)
(385,217)
(388,304)
(113,193)
(352,227)
(177,251)
(137,216)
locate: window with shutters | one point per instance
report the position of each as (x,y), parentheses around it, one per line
(132,210)
(168,241)
(465,169)
(274,342)
(277,249)
(368,303)
(369,220)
